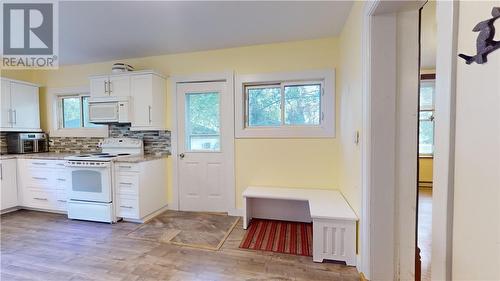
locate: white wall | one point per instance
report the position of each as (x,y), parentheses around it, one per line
(476,218)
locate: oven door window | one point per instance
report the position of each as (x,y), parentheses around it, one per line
(87,181)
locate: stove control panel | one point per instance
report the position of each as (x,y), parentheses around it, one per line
(89,164)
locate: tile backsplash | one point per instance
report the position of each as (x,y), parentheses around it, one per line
(3,142)
(155,142)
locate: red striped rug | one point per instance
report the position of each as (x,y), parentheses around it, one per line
(279,236)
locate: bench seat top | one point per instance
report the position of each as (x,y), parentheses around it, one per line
(325,204)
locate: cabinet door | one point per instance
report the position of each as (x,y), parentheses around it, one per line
(25,109)
(99,87)
(5,116)
(142,93)
(119,86)
(8,183)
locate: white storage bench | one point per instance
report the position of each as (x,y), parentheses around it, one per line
(334,222)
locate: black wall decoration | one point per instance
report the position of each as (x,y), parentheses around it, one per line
(484,43)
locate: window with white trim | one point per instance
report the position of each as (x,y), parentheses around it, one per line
(289,105)
(74,112)
(283,104)
(426,117)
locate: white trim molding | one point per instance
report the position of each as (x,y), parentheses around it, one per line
(53,97)
(326,129)
(227,77)
(444,146)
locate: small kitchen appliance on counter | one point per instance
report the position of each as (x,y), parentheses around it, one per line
(27,143)
(90,192)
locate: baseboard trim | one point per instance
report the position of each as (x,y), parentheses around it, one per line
(362,277)
(148,217)
(235,212)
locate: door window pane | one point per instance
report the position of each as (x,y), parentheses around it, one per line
(202,122)
(264,106)
(71,112)
(302,104)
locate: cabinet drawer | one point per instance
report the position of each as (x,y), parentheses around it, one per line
(41,163)
(42,178)
(61,200)
(128,167)
(128,207)
(128,183)
(62,179)
(36,198)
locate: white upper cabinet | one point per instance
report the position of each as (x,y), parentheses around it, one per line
(119,86)
(147,90)
(19,106)
(110,85)
(99,86)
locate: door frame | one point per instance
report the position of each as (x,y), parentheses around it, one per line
(383,255)
(227,77)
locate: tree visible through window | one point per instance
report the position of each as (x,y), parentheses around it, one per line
(426,118)
(283,104)
(75,112)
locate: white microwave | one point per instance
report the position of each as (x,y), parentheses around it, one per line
(110,110)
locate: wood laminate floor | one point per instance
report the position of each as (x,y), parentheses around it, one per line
(44,246)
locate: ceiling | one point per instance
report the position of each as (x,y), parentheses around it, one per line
(93,31)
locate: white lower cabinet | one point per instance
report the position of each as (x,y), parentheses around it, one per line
(140,189)
(42,184)
(8,184)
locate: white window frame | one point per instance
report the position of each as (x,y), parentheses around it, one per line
(432,109)
(326,128)
(55,127)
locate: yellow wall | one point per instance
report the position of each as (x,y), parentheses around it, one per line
(425,169)
(275,162)
(349,118)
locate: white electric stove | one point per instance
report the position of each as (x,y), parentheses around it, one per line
(90,192)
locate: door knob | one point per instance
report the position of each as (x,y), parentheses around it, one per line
(181,155)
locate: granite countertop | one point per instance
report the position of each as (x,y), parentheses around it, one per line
(60,156)
(141,158)
(42,155)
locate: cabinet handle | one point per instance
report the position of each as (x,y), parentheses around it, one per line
(59,200)
(59,179)
(149,108)
(126,167)
(39,178)
(126,183)
(15,116)
(1,171)
(109,87)
(105,86)
(127,207)
(41,199)
(39,163)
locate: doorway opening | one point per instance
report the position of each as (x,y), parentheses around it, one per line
(427,94)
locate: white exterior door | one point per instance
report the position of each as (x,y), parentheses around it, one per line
(205,144)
